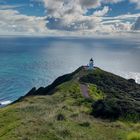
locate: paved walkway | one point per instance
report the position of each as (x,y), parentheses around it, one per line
(84,90)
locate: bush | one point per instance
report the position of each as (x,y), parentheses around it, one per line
(131,80)
(106,109)
(60,117)
(114,108)
(133,136)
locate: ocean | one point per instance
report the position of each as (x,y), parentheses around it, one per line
(27,62)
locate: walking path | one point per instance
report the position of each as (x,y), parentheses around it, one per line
(84,90)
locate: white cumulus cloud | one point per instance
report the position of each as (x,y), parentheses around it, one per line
(70,15)
(63,16)
(102,12)
(11,21)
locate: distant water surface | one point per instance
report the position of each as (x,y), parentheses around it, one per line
(26,62)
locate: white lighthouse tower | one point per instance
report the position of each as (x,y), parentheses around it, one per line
(91,63)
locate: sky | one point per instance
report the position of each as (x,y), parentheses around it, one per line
(69,17)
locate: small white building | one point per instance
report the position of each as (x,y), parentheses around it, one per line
(91,64)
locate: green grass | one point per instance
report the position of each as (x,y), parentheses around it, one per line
(133,136)
(95,93)
(36,118)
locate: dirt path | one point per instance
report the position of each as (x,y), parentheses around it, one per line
(84,90)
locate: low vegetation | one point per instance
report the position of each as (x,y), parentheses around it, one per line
(133,136)
(62,113)
(121,96)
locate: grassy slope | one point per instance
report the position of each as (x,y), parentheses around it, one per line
(36,118)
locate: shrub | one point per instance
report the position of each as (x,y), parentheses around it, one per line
(133,136)
(114,108)
(106,109)
(131,80)
(60,117)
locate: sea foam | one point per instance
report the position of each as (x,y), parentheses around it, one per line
(3,103)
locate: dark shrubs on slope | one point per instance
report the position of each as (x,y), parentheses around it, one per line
(122,97)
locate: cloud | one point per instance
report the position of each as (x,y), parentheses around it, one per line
(69,6)
(137,2)
(67,17)
(89,3)
(134,75)
(123,17)
(113,27)
(122,26)
(5,7)
(136,25)
(70,23)
(14,22)
(122,23)
(60,8)
(112,1)
(102,12)
(71,15)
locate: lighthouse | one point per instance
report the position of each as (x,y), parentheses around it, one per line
(91,64)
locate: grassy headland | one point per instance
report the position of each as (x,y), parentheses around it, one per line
(60,112)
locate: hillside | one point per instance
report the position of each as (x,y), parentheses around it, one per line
(83,105)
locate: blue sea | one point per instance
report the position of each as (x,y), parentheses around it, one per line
(27,62)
